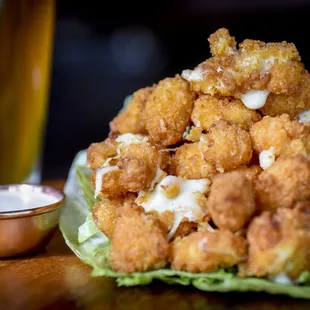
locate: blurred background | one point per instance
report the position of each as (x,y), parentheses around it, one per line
(103,52)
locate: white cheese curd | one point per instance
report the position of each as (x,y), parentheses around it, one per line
(99,174)
(183,205)
(282,278)
(304,117)
(255,99)
(195,75)
(23,200)
(267,158)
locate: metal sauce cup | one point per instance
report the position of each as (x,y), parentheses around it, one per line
(27,230)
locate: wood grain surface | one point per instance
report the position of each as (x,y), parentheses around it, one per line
(56,279)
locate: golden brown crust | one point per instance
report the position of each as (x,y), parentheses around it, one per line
(231,201)
(221,43)
(131,120)
(251,172)
(281,134)
(227,146)
(291,104)
(168,110)
(206,251)
(189,163)
(98,153)
(284,183)
(167,219)
(104,213)
(194,134)
(138,243)
(138,164)
(208,109)
(111,186)
(279,243)
(256,65)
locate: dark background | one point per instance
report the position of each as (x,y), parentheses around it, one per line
(105,50)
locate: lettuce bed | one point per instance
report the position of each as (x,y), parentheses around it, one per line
(92,247)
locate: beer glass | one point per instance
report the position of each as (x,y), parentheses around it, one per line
(26,36)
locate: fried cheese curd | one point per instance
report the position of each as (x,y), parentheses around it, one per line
(206,251)
(208,109)
(130,120)
(98,153)
(138,164)
(132,169)
(231,200)
(279,243)
(211,169)
(104,212)
(284,183)
(280,135)
(167,218)
(107,184)
(251,172)
(139,241)
(168,110)
(292,104)
(226,145)
(271,67)
(189,163)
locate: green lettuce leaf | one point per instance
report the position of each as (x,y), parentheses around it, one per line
(92,247)
(83,175)
(304,278)
(87,229)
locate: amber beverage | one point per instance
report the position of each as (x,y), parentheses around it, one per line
(26,36)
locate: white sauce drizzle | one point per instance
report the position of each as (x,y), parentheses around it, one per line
(255,99)
(99,173)
(107,162)
(160,174)
(123,140)
(177,221)
(304,117)
(128,139)
(267,158)
(184,205)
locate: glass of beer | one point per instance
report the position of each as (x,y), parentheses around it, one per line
(26,36)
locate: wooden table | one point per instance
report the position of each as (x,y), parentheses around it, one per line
(56,279)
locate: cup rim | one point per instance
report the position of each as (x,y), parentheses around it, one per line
(34,211)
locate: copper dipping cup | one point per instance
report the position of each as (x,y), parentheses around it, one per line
(25,231)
